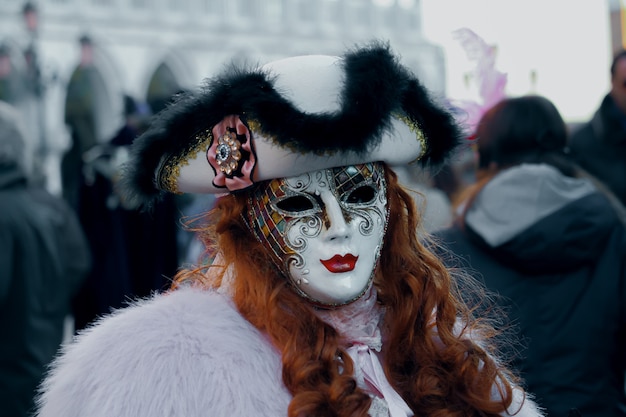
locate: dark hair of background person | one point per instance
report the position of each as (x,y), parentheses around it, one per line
(504,142)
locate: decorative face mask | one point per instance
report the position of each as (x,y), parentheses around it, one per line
(324,229)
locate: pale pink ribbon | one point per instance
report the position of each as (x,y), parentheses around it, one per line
(373,373)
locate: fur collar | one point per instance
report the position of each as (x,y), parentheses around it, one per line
(187,353)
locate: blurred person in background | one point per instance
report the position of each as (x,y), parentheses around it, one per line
(547,238)
(599,146)
(44,257)
(135,252)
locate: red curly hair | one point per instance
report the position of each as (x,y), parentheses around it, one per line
(432,363)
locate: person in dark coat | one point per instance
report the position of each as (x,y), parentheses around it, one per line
(43,259)
(134,251)
(599,146)
(551,246)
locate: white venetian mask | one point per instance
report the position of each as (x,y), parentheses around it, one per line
(324,229)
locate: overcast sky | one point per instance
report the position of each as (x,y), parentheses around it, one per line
(566,43)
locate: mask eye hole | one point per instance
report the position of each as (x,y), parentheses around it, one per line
(295,204)
(361,195)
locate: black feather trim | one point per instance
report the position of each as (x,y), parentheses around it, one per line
(376,88)
(442,132)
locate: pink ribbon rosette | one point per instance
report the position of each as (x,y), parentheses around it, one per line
(231,157)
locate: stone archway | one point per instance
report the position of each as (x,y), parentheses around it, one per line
(162,86)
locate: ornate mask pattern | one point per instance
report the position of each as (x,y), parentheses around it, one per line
(324,229)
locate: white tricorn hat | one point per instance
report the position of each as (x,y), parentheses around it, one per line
(289,117)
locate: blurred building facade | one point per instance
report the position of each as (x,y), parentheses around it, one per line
(68,63)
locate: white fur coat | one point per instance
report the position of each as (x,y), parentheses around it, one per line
(188,353)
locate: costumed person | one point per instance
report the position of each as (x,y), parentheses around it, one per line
(320,300)
(540,233)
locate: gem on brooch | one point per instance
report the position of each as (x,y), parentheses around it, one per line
(227,154)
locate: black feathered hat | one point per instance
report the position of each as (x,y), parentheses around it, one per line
(289,117)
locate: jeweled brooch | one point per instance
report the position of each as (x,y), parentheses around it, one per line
(228,153)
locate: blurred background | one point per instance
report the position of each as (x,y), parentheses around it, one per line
(67,64)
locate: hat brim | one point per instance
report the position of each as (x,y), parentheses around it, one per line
(302,114)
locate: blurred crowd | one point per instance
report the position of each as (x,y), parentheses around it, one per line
(530,206)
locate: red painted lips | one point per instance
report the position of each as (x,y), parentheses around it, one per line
(338,263)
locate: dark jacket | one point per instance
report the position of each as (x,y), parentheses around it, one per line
(134,251)
(43,258)
(553,249)
(599,146)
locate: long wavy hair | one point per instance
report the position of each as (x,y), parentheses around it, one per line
(436,355)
